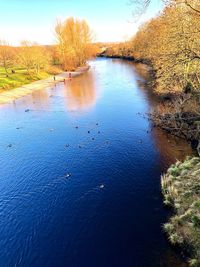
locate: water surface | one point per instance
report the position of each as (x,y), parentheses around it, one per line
(80,174)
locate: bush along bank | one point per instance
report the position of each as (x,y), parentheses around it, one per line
(180,116)
(181,190)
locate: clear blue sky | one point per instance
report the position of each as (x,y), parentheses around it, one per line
(34,20)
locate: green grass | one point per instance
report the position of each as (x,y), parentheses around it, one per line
(19,78)
(181,190)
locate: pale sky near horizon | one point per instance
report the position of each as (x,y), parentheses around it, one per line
(34,20)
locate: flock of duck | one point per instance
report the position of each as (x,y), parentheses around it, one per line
(67,175)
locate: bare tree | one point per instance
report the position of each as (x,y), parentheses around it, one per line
(6,55)
(140,7)
(32,57)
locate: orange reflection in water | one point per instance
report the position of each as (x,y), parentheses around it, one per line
(81,92)
(170,148)
(37,100)
(40,99)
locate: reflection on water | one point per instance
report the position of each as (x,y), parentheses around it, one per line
(80,174)
(170,147)
(77,95)
(81,93)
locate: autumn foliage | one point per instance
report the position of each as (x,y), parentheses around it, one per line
(74,43)
(171,43)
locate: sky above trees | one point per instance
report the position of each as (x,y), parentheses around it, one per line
(34,20)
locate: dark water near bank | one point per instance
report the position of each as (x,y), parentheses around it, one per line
(109,211)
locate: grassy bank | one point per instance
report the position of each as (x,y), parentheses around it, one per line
(19,77)
(181,190)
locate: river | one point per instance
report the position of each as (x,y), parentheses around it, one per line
(80,174)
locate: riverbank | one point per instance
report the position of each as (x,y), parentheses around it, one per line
(185,125)
(16,76)
(9,95)
(131,58)
(181,190)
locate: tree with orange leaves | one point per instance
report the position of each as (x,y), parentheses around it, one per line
(74,39)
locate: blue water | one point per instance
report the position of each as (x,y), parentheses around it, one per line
(80,174)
